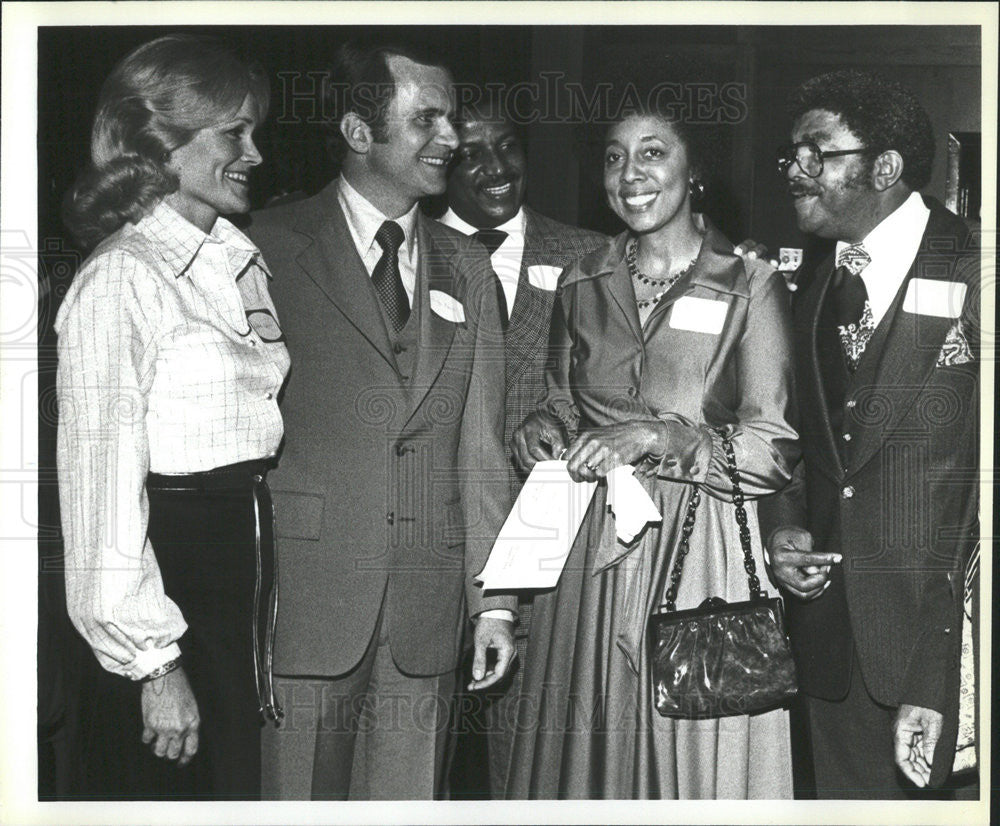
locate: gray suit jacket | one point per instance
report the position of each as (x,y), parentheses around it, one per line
(549,243)
(386,489)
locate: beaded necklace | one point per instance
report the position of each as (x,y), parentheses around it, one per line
(666,283)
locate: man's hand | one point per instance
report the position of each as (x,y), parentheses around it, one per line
(170,717)
(751,249)
(798,569)
(538,439)
(497,634)
(915,734)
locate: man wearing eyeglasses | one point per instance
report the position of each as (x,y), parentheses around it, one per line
(870,539)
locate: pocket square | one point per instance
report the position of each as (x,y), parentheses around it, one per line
(955,349)
(544,276)
(447,307)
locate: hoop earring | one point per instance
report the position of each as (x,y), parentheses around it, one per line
(696,189)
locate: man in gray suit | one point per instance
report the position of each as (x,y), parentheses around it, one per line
(392,484)
(486,189)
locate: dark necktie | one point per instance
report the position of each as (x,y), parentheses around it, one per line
(492,239)
(850,300)
(385,276)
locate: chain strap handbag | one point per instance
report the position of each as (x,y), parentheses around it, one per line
(722,658)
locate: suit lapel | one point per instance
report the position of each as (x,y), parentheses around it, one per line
(331,260)
(434,272)
(903,357)
(532,311)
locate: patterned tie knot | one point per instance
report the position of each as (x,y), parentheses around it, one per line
(854,259)
(390,237)
(490,238)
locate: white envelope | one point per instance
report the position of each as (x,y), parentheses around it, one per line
(929,296)
(544,276)
(700,315)
(536,539)
(447,307)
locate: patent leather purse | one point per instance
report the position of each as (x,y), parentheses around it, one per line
(722,658)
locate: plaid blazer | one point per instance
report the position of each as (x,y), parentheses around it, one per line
(549,243)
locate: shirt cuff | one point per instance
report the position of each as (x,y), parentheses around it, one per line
(497,613)
(151,659)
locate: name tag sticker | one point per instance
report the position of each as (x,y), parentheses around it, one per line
(544,276)
(447,307)
(941,299)
(699,315)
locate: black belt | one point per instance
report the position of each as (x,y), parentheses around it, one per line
(243,477)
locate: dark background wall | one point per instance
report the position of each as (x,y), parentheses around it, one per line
(739,76)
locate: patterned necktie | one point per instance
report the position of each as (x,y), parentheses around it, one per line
(855,324)
(385,276)
(492,239)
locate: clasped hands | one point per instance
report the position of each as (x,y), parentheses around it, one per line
(594,453)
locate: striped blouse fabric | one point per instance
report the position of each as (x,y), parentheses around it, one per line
(170,361)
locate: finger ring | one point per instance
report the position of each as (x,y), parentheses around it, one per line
(590,466)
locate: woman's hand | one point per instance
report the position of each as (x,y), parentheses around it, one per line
(595,453)
(170,717)
(538,439)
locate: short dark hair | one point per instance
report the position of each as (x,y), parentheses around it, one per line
(359,80)
(477,104)
(882,113)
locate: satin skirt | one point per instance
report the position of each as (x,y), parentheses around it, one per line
(586,725)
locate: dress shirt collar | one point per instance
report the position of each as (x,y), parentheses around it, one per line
(514,227)
(179,241)
(364,219)
(892,245)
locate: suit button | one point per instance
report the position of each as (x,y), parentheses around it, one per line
(847,493)
(390,517)
(400,450)
(632,391)
(847,437)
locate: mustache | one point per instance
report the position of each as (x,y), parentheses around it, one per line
(798,189)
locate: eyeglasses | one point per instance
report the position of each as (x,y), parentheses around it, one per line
(809,157)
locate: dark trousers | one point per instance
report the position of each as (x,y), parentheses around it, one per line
(204,545)
(852,749)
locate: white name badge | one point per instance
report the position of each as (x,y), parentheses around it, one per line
(447,307)
(700,315)
(941,299)
(544,277)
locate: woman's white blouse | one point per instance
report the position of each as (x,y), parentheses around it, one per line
(170,360)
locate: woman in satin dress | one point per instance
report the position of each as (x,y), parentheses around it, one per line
(659,339)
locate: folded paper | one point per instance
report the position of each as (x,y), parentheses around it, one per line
(536,539)
(447,307)
(544,276)
(933,297)
(699,315)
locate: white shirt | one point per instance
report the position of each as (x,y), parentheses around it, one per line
(506,259)
(170,360)
(364,220)
(892,245)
